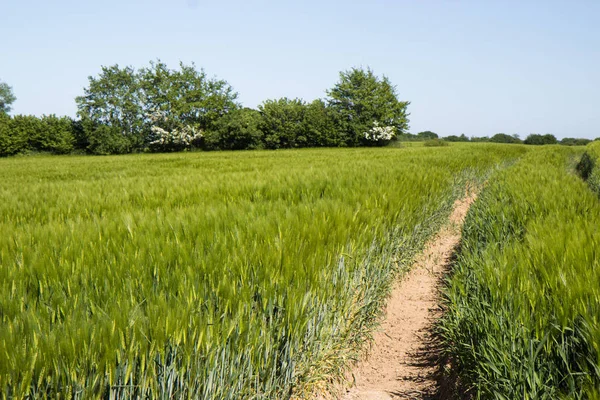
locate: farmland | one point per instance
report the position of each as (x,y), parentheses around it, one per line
(524,301)
(209,275)
(262,274)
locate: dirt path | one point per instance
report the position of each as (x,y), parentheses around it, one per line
(396,367)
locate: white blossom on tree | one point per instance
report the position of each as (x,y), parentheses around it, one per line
(176,138)
(380,133)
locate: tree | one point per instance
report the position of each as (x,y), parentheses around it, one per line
(504,138)
(114,100)
(6,98)
(55,135)
(11,141)
(427,135)
(575,141)
(537,139)
(454,138)
(360,99)
(186,97)
(282,123)
(320,125)
(123,101)
(236,130)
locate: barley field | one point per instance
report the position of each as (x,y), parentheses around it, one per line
(523,305)
(210,275)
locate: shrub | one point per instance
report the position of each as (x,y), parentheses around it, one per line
(236,130)
(11,141)
(585,166)
(282,123)
(380,135)
(55,134)
(169,134)
(104,140)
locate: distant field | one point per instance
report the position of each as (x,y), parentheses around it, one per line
(209,275)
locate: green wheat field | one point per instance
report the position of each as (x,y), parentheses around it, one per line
(260,275)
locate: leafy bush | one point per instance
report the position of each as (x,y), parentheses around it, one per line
(169,134)
(236,130)
(282,123)
(11,141)
(586,165)
(435,143)
(105,140)
(55,135)
(380,135)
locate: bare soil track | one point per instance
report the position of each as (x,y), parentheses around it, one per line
(399,364)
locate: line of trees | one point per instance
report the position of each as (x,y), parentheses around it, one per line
(533,139)
(155,108)
(158,109)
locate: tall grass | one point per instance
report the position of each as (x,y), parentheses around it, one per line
(523,304)
(205,276)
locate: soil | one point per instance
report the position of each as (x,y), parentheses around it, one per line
(399,364)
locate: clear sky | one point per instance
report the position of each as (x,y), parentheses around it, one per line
(474,67)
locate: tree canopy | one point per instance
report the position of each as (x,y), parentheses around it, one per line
(538,139)
(7,97)
(361,99)
(120,104)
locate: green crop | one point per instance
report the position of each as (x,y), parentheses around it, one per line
(523,304)
(205,276)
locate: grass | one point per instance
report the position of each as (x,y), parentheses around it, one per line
(523,304)
(220,275)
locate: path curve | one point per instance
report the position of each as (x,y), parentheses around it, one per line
(395,367)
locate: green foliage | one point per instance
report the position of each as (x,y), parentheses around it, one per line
(321,126)
(123,100)
(536,139)
(574,142)
(427,135)
(186,96)
(504,138)
(586,165)
(236,130)
(12,141)
(7,97)
(114,99)
(23,133)
(55,135)
(482,139)
(359,99)
(454,138)
(282,123)
(435,143)
(105,140)
(209,275)
(524,300)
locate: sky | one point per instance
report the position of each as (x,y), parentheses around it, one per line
(473,67)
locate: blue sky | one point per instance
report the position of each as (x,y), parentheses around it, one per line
(473,67)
